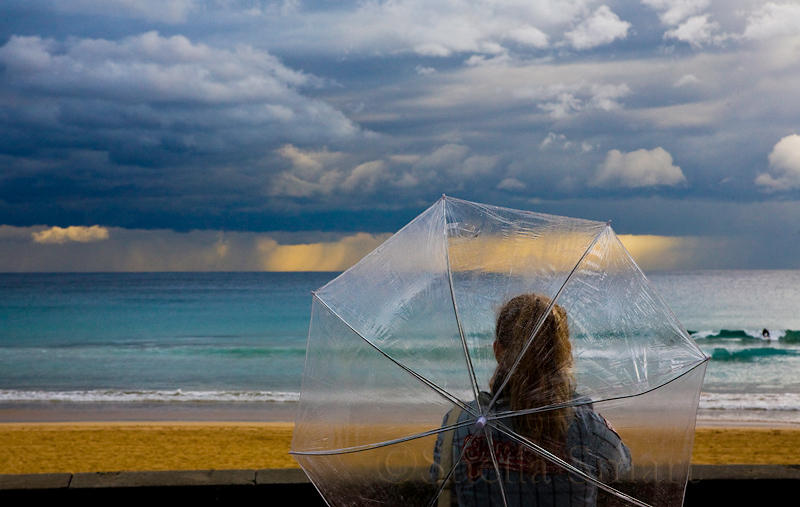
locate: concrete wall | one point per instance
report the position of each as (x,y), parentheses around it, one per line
(709,485)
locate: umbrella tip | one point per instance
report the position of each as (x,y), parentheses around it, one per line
(444,196)
(608,223)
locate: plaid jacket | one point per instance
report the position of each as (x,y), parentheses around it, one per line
(591,445)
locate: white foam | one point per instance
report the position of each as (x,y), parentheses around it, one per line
(785,402)
(146,396)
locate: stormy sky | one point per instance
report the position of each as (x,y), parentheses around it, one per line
(246,134)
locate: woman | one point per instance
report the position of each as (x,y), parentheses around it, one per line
(542,377)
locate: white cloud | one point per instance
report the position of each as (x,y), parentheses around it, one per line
(640,168)
(685,115)
(312,172)
(773,20)
(552,138)
(784,162)
(442,29)
(563,101)
(163,11)
(150,68)
(602,27)
(511,184)
(529,35)
(424,71)
(605,96)
(672,12)
(686,80)
(364,177)
(323,173)
(242,85)
(310,161)
(73,233)
(697,31)
(448,156)
(563,105)
(477,165)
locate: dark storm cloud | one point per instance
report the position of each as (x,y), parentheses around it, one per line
(352,116)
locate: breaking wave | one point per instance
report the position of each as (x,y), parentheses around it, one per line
(783,335)
(723,354)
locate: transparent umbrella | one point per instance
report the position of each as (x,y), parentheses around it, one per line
(491,356)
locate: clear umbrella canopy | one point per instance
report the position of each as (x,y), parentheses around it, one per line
(490,356)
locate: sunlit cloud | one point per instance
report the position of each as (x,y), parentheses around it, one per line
(78,233)
(325,256)
(653,252)
(166,250)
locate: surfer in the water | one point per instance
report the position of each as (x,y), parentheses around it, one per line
(765,334)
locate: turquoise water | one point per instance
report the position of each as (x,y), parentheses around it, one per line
(128,333)
(176,337)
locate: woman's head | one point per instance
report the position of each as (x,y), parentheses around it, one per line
(544,373)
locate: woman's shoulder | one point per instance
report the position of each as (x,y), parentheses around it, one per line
(586,416)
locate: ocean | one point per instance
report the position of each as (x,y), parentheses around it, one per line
(167,339)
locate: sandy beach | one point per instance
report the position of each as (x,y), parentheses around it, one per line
(98,446)
(27,448)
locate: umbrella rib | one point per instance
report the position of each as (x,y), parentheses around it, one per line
(542,319)
(558,406)
(378,445)
(470,367)
(442,392)
(544,453)
(490,441)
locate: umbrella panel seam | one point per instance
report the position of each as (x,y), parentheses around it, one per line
(385,443)
(470,367)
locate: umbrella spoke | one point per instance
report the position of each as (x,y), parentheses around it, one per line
(547,455)
(496,416)
(490,441)
(542,319)
(442,392)
(377,445)
(470,367)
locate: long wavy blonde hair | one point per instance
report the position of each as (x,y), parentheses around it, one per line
(544,374)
